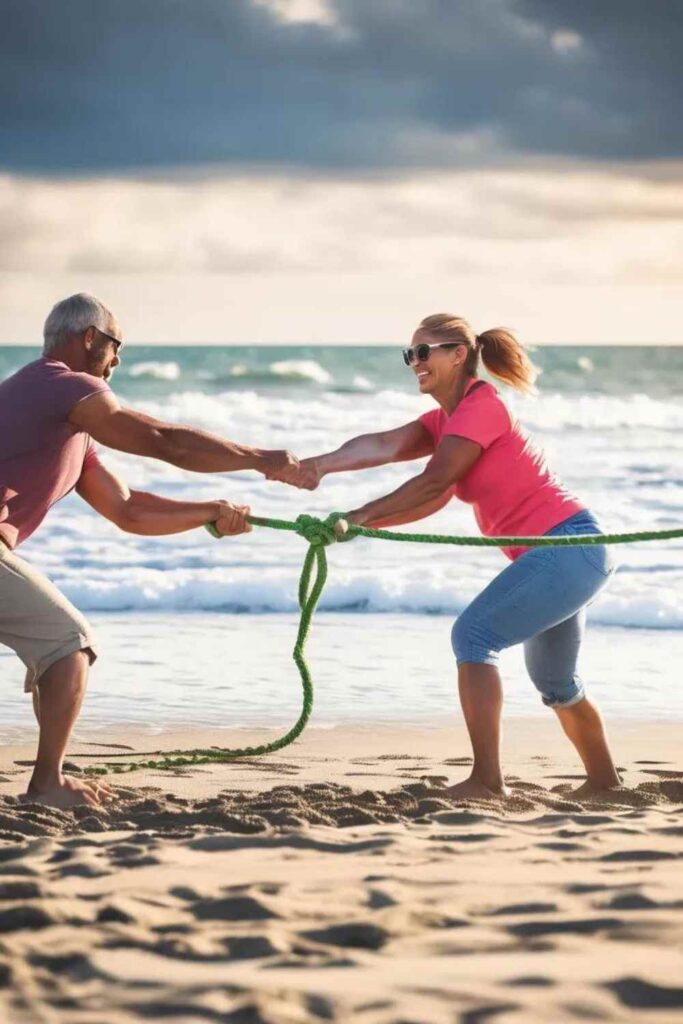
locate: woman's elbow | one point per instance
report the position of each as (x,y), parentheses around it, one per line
(435,486)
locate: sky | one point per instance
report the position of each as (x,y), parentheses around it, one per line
(332,171)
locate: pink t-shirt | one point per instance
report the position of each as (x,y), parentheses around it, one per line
(42,455)
(510,487)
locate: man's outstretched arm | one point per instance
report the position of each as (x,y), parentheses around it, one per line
(150,515)
(109,423)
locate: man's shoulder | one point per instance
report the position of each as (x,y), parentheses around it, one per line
(25,372)
(38,370)
(77,381)
(47,390)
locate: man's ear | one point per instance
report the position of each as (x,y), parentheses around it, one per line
(89,338)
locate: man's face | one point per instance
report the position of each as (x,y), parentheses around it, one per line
(103,352)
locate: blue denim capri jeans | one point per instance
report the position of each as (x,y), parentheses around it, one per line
(540,601)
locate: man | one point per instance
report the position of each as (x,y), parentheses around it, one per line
(50,412)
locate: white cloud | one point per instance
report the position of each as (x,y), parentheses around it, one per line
(565,41)
(360,257)
(318,12)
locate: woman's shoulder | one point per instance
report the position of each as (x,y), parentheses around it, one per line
(484,401)
(483,390)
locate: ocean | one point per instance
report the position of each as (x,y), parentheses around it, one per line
(191,626)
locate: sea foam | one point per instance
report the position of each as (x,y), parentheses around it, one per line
(375,592)
(160,371)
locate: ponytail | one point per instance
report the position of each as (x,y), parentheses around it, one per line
(505,358)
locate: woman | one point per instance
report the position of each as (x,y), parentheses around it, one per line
(480,454)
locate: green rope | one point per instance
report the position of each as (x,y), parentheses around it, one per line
(320,534)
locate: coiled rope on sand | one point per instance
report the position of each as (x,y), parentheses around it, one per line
(319,534)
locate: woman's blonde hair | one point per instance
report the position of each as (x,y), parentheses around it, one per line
(502,354)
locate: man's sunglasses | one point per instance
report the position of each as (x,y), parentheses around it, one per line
(420,353)
(116,341)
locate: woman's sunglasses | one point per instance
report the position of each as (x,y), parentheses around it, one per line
(420,353)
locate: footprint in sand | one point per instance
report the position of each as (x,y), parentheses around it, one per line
(584,888)
(20,890)
(75,966)
(379,900)
(532,981)
(523,908)
(15,919)
(354,935)
(249,947)
(112,914)
(561,846)
(637,856)
(232,908)
(584,926)
(636,993)
(632,901)
(12,869)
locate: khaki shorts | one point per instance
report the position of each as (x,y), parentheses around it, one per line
(36,620)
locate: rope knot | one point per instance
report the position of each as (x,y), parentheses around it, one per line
(318,532)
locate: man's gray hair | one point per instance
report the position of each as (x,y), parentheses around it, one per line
(73,315)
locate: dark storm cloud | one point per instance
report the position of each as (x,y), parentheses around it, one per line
(98,85)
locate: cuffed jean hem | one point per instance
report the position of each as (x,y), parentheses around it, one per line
(567,702)
(474,658)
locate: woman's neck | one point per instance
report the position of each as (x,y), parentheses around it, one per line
(455,395)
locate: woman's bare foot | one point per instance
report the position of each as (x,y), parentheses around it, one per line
(473,789)
(65,792)
(590,789)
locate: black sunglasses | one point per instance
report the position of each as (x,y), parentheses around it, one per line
(116,341)
(420,353)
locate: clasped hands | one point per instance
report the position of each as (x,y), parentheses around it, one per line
(304,474)
(281,466)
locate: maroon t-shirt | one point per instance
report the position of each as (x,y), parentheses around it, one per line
(42,455)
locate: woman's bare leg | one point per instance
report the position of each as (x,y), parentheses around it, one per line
(583,724)
(481,697)
(60,693)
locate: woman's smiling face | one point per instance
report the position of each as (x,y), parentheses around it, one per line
(441,367)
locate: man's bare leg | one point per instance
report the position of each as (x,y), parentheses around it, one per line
(582,723)
(35,693)
(57,701)
(481,697)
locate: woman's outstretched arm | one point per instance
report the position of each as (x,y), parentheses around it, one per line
(419,512)
(412,441)
(453,459)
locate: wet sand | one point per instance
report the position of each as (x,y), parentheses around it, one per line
(335,881)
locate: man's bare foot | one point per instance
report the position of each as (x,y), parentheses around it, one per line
(65,792)
(472,789)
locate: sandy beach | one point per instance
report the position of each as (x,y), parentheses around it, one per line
(333,882)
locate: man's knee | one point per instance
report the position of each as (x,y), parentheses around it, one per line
(70,667)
